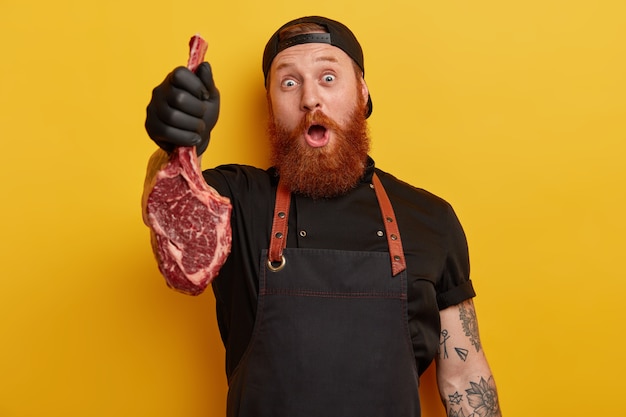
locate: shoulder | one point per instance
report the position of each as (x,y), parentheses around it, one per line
(405,194)
(234,179)
(237,171)
(423,212)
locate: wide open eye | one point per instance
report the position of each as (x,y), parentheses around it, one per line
(288,83)
(329,78)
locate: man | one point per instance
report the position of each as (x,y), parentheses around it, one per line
(372,280)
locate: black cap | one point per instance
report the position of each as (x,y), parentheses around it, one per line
(338,35)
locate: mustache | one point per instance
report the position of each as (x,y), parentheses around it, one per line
(315,118)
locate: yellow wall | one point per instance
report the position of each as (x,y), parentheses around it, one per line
(514,111)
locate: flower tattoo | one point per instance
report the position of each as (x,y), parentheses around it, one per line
(483,398)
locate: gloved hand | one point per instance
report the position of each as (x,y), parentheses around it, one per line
(183,109)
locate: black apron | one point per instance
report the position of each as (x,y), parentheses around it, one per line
(331,335)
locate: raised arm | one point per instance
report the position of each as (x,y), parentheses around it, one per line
(466,384)
(188,220)
(182,111)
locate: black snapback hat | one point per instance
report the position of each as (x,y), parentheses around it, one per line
(338,35)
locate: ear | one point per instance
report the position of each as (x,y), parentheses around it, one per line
(270,109)
(365,92)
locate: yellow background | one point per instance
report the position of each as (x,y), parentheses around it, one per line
(511,110)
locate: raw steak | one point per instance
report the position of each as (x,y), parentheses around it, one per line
(189,221)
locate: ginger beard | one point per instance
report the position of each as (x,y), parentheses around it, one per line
(326,171)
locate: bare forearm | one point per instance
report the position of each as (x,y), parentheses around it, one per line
(466,384)
(473,394)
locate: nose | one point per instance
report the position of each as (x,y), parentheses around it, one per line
(310,99)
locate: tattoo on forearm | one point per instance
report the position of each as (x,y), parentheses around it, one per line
(443,343)
(462,353)
(482,399)
(443,347)
(470,324)
(458,413)
(455,398)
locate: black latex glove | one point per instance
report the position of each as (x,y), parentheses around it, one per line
(183,109)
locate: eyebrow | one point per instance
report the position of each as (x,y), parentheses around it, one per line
(327,59)
(323,58)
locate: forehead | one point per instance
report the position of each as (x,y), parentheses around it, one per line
(310,54)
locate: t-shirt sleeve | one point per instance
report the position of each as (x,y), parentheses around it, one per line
(455,285)
(222,179)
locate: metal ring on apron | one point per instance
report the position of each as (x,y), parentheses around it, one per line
(271,267)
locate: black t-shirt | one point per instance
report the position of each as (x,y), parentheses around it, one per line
(433,240)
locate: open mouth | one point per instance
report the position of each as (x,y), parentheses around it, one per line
(317,136)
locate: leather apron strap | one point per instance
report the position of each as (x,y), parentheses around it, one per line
(398,263)
(280,224)
(278,240)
